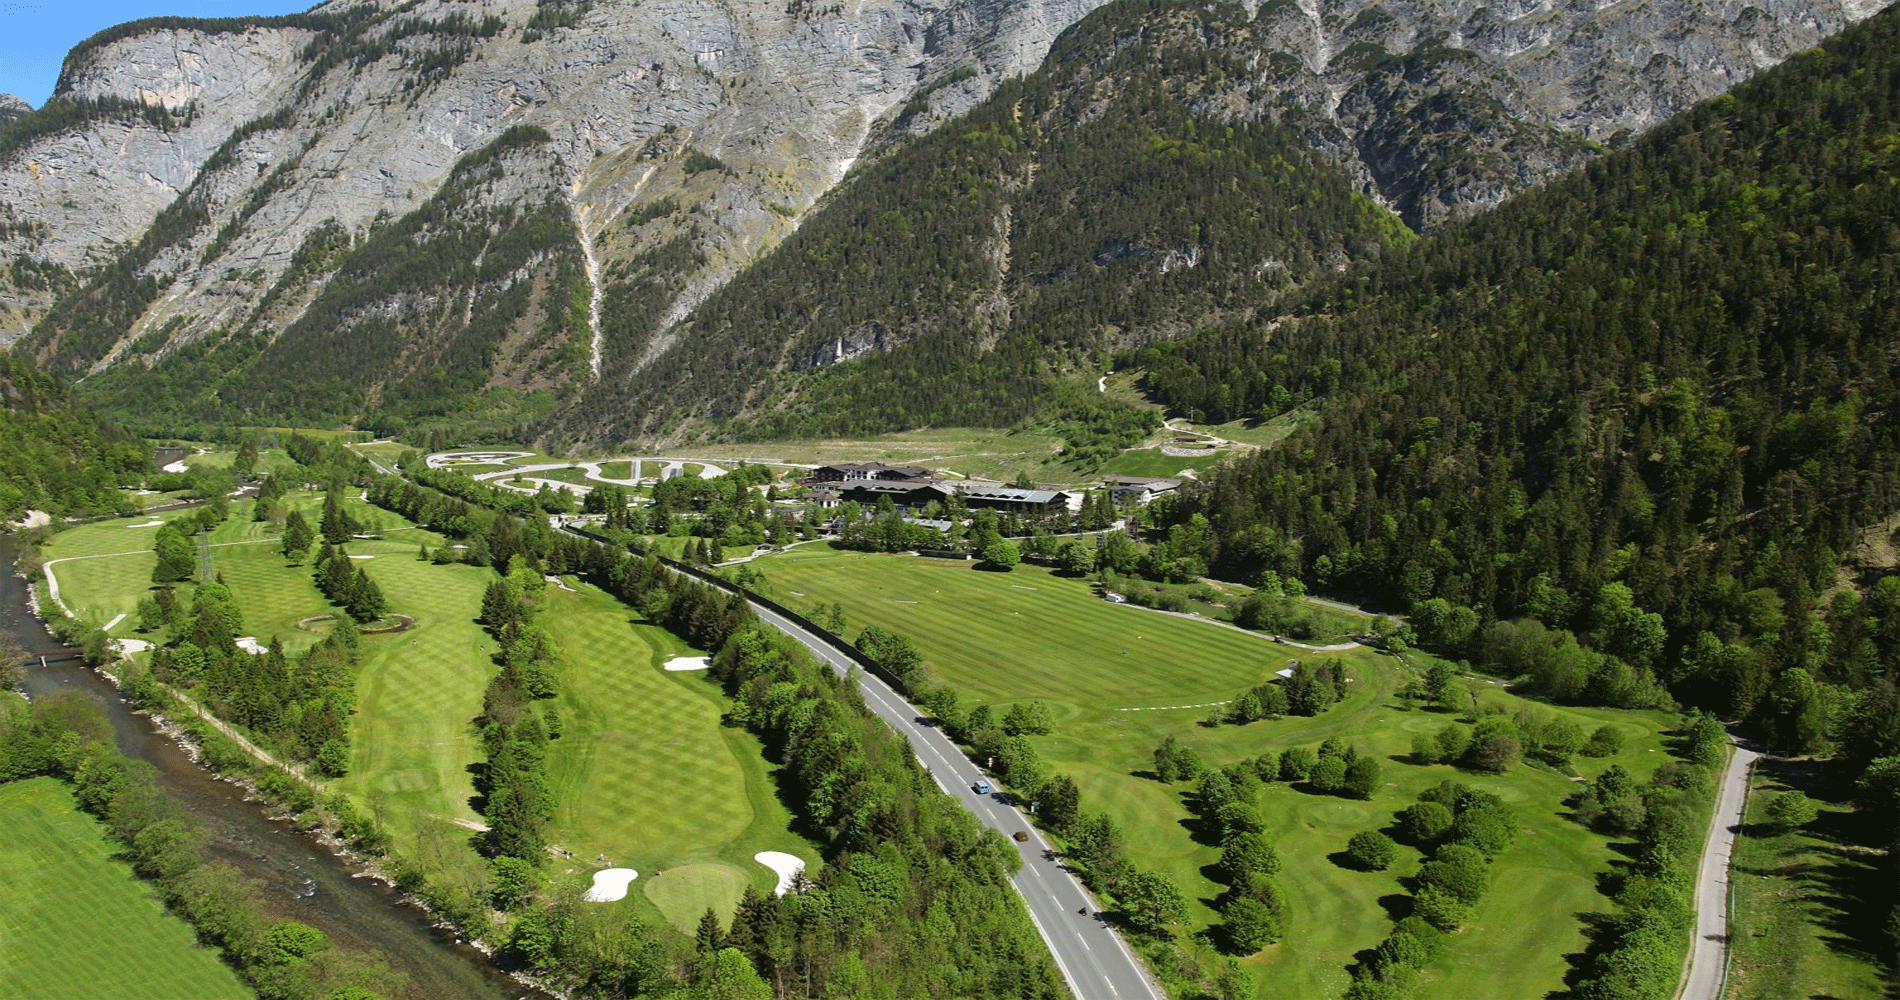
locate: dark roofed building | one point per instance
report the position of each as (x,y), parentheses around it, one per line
(851,472)
(907,495)
(997,496)
(1138,490)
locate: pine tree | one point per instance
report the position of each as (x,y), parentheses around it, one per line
(297,535)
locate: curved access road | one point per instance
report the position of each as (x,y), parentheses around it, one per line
(1093,958)
(1707,973)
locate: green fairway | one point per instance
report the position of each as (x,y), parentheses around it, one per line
(644,773)
(1804,923)
(684,894)
(419,692)
(999,638)
(1028,634)
(104,568)
(75,924)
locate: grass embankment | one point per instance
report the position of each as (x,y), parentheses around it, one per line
(77,923)
(1807,910)
(1033,635)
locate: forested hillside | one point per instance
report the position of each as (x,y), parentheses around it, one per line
(471,311)
(1653,405)
(55,457)
(1095,204)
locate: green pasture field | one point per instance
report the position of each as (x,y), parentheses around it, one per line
(574,476)
(645,774)
(621,469)
(670,546)
(1261,433)
(979,453)
(1151,462)
(77,924)
(1026,634)
(998,642)
(1803,924)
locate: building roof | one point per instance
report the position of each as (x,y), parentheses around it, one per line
(1013,495)
(1162,483)
(873,468)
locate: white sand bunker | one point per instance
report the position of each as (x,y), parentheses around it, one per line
(786,865)
(362,557)
(689,663)
(249,644)
(127,647)
(610,884)
(148,524)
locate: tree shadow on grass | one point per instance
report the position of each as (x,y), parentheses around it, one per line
(1596,928)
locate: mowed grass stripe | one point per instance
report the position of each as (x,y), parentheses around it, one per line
(419,692)
(645,773)
(76,925)
(640,772)
(997,641)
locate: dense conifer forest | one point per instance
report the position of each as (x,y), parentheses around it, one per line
(1651,407)
(54,456)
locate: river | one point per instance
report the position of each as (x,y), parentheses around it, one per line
(301,880)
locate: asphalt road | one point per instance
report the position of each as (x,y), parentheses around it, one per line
(1093,958)
(1708,957)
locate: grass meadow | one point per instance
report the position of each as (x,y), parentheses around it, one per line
(76,924)
(1034,635)
(1805,923)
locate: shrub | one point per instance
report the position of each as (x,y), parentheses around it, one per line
(1371,850)
(1458,870)
(1329,775)
(1425,822)
(1440,908)
(1362,777)
(1606,741)
(1296,763)
(1791,809)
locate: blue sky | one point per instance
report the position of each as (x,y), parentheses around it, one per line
(35,34)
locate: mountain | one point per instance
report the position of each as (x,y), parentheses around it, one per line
(177,215)
(1656,403)
(12,107)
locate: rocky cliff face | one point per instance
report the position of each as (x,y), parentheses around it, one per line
(1443,108)
(193,187)
(357,112)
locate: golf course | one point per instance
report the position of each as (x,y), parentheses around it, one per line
(644,774)
(1111,675)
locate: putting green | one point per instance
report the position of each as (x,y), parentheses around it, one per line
(682,894)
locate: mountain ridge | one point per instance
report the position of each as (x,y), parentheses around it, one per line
(691,141)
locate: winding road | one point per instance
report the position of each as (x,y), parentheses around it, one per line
(1707,972)
(1093,958)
